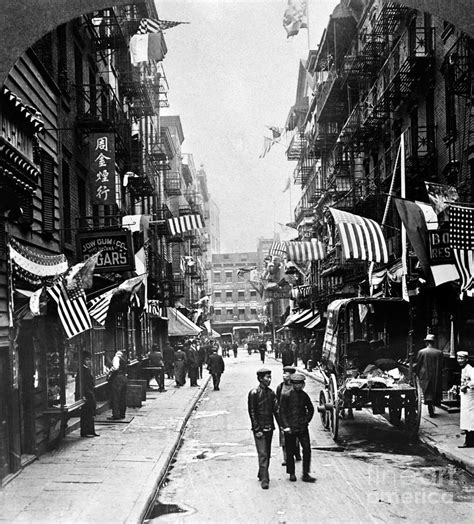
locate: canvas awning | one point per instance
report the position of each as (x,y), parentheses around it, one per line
(304,316)
(299,318)
(314,322)
(179,325)
(214,334)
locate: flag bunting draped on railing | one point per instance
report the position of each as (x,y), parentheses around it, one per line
(361,237)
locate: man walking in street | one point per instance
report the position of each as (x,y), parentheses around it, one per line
(118,386)
(216,366)
(296,412)
(466,420)
(262,349)
(428,368)
(283,389)
(263,408)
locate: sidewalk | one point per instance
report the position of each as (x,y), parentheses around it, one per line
(441,434)
(108,479)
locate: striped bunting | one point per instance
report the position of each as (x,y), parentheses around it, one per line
(185,223)
(305,251)
(98,307)
(361,238)
(461,240)
(152,25)
(277,249)
(72,310)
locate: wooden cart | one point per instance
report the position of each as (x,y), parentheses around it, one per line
(363,334)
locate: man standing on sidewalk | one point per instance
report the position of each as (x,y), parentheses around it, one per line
(118,386)
(263,407)
(296,412)
(156,361)
(85,380)
(428,367)
(466,421)
(216,366)
(193,363)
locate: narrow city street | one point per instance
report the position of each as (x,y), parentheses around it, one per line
(376,475)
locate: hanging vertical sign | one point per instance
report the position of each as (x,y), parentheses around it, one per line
(103,168)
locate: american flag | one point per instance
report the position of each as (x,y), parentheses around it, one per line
(185,223)
(152,25)
(461,239)
(72,308)
(278,249)
(361,237)
(98,307)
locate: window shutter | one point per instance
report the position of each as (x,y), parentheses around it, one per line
(47,186)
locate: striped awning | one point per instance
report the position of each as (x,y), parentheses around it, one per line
(314,322)
(299,251)
(30,115)
(304,316)
(299,318)
(305,251)
(185,223)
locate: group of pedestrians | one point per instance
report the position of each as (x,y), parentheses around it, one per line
(292,410)
(303,349)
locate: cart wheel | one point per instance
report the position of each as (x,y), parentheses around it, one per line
(323,412)
(334,413)
(395,411)
(413,410)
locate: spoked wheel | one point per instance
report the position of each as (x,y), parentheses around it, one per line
(413,409)
(334,413)
(323,412)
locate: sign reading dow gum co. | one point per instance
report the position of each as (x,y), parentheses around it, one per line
(115,246)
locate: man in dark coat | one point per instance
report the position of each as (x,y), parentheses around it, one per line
(287,356)
(262,348)
(168,357)
(263,408)
(85,379)
(216,366)
(193,363)
(155,360)
(180,367)
(296,412)
(428,367)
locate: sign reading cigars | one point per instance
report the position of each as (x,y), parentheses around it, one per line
(102,158)
(116,246)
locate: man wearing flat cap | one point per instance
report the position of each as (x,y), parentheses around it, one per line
(263,409)
(296,412)
(428,368)
(466,420)
(283,389)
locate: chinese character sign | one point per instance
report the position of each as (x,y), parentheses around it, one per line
(103,168)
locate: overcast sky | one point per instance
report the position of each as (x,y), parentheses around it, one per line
(231,72)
